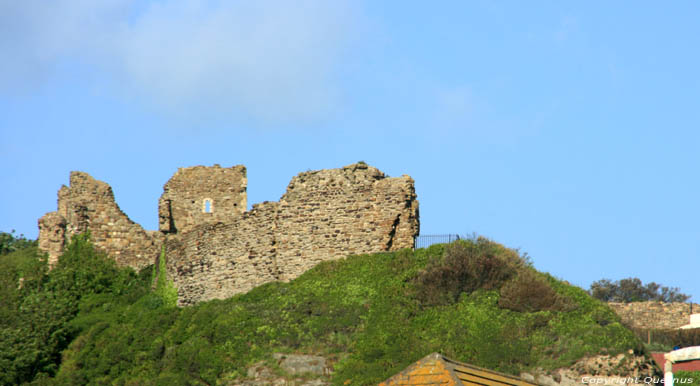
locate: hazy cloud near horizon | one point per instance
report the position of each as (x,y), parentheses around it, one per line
(270,61)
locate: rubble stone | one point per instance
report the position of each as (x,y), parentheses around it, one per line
(655,315)
(215,248)
(88,205)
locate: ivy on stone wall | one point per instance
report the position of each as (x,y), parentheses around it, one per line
(164,287)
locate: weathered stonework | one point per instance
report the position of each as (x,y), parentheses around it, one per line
(200,195)
(622,369)
(324,215)
(52,235)
(655,315)
(330,214)
(88,205)
(221,260)
(216,249)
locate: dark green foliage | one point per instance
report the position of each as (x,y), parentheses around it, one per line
(9,243)
(38,307)
(22,338)
(366,314)
(529,291)
(465,267)
(82,271)
(632,290)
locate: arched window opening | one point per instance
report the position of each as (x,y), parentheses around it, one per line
(208,206)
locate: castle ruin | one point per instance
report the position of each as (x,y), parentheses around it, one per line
(215,248)
(88,205)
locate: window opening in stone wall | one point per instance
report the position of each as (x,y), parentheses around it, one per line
(208,206)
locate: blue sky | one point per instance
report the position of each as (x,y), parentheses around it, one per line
(569,131)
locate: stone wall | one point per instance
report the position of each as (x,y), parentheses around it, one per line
(88,205)
(330,214)
(200,195)
(324,215)
(216,261)
(222,251)
(655,315)
(52,235)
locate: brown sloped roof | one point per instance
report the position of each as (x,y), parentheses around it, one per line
(436,369)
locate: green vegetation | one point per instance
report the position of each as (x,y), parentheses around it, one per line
(10,243)
(39,308)
(632,290)
(164,287)
(370,315)
(688,375)
(666,340)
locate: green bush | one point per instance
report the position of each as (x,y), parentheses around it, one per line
(530,292)
(465,267)
(38,318)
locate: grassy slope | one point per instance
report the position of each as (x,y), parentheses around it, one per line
(364,313)
(360,312)
(688,378)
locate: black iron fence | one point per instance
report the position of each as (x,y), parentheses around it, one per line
(424,241)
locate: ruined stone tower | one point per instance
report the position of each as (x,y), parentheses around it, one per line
(202,195)
(88,205)
(215,248)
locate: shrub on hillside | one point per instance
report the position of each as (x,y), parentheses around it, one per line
(36,316)
(530,292)
(83,270)
(464,267)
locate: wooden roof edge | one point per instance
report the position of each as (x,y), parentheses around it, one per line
(451,366)
(420,362)
(454,363)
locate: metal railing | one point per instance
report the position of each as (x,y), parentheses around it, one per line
(424,241)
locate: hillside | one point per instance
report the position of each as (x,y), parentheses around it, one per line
(370,316)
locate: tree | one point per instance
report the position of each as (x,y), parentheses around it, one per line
(10,243)
(37,318)
(632,290)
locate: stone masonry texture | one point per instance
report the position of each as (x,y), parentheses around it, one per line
(52,235)
(88,205)
(215,248)
(187,194)
(323,215)
(655,315)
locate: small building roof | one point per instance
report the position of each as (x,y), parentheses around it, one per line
(694,322)
(436,369)
(684,354)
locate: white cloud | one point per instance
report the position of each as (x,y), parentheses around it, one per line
(271,60)
(35,35)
